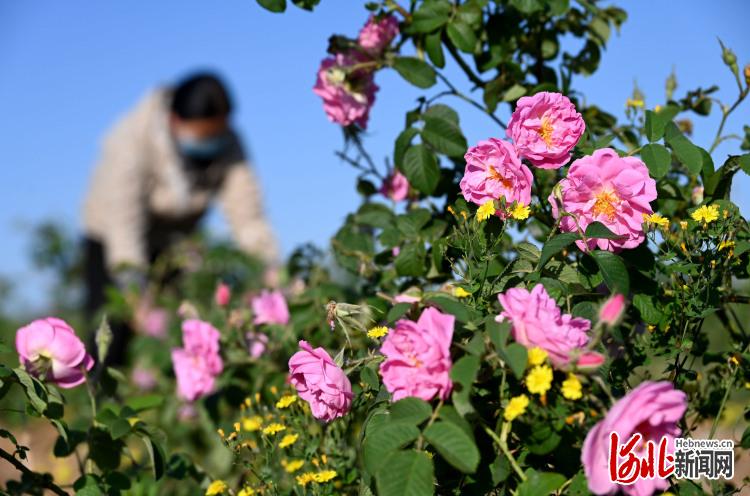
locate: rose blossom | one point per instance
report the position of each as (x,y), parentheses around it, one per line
(653,409)
(395,187)
(143,378)
(49,349)
(536,320)
(378,33)
(544,128)
(197,363)
(270,308)
(613,190)
(223,294)
(347,97)
(256,343)
(155,322)
(417,357)
(494,171)
(320,382)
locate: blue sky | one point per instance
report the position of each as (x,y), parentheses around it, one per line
(69,69)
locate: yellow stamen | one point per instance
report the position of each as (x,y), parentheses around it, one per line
(605,204)
(545,131)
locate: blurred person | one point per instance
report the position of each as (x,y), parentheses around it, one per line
(161,166)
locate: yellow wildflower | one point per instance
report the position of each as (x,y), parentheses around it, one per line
(657,220)
(288,440)
(274,390)
(306,478)
(486,211)
(539,379)
(706,214)
(221,434)
(634,103)
(460,292)
(272,429)
(292,466)
(537,356)
(252,424)
(246,491)
(324,476)
(236,426)
(377,332)
(324,458)
(726,244)
(571,388)
(216,487)
(520,211)
(683,224)
(516,406)
(286,400)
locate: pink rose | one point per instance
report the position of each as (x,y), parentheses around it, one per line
(320,382)
(613,190)
(544,128)
(223,294)
(653,409)
(197,363)
(155,322)
(536,320)
(270,308)
(494,171)
(256,343)
(378,33)
(611,312)
(406,298)
(417,357)
(347,97)
(395,187)
(50,350)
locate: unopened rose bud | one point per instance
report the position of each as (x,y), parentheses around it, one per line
(223,294)
(588,360)
(611,312)
(747,75)
(729,58)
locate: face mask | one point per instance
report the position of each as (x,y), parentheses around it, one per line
(202,149)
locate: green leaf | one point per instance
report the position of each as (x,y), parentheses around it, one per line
(464,372)
(385,439)
(657,159)
(434,48)
(156,455)
(515,355)
(441,111)
(687,153)
(527,6)
(403,142)
(613,271)
(745,442)
(555,246)
(406,473)
(744,162)
(598,230)
(416,71)
(445,136)
(430,16)
(421,169)
(33,388)
(462,35)
(141,403)
(454,445)
(411,260)
(645,305)
(369,377)
(375,215)
(452,306)
(514,93)
(540,483)
(656,122)
(411,410)
(397,311)
(273,5)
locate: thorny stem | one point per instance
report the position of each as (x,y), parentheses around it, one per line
(502,443)
(37,478)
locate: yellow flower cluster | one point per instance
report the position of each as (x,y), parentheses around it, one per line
(286,401)
(486,210)
(246,491)
(706,214)
(460,292)
(273,428)
(216,487)
(520,211)
(288,440)
(537,356)
(292,466)
(516,406)
(318,477)
(656,220)
(571,388)
(252,424)
(539,380)
(377,332)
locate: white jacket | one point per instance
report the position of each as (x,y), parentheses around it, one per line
(141,178)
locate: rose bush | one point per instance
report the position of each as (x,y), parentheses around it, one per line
(494,312)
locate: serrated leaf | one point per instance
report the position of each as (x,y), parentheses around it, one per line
(556,245)
(613,271)
(421,169)
(540,483)
(411,410)
(599,231)
(434,48)
(385,439)
(444,136)
(454,445)
(657,159)
(515,356)
(406,473)
(411,260)
(275,6)
(416,71)
(687,153)
(462,35)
